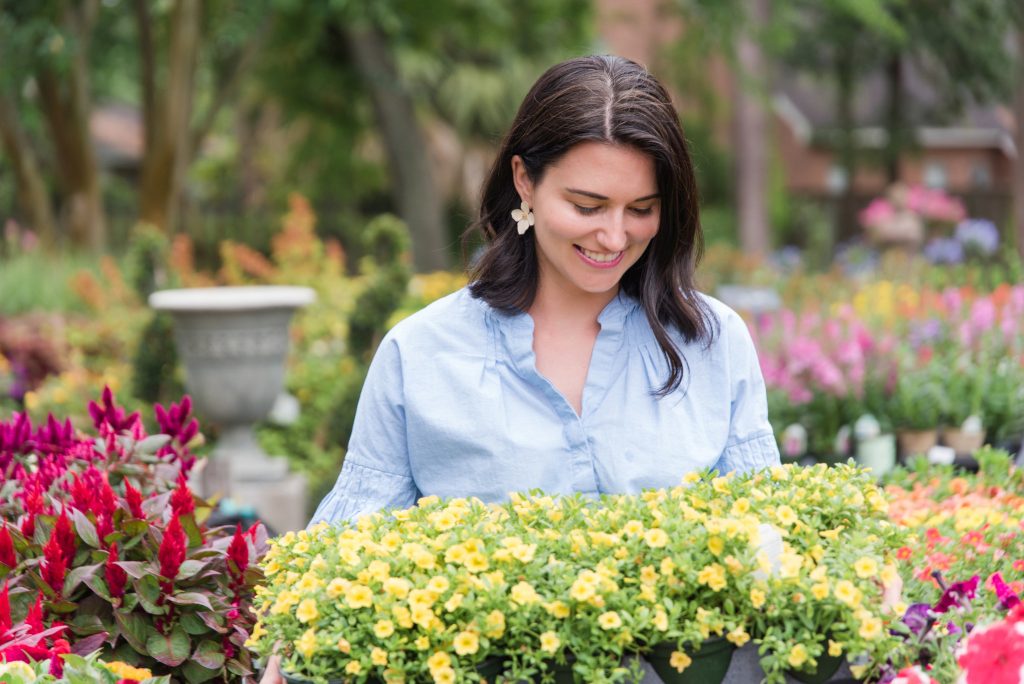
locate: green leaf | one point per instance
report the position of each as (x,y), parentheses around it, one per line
(191,623)
(135,528)
(209,654)
(148,591)
(191,598)
(170,649)
(152,444)
(189,568)
(85,529)
(195,672)
(135,569)
(99,586)
(77,576)
(135,629)
(188,524)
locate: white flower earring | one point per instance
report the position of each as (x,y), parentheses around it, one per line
(523,216)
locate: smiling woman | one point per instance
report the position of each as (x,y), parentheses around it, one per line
(580,359)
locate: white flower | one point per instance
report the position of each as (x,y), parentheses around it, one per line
(523,218)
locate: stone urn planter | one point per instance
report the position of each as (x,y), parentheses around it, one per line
(233,342)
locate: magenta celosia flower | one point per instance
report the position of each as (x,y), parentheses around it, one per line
(8,556)
(133,498)
(182,502)
(54,566)
(66,539)
(171,553)
(238,553)
(109,418)
(115,575)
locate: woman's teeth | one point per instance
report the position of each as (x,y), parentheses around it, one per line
(600,256)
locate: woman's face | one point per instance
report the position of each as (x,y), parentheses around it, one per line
(596,210)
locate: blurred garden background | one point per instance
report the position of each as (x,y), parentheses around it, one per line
(859,161)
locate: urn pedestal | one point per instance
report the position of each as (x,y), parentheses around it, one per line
(233,342)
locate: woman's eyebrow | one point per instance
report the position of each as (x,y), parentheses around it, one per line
(594,195)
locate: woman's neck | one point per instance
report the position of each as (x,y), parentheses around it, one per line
(569,307)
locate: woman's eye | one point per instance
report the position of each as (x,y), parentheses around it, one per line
(586,211)
(643,211)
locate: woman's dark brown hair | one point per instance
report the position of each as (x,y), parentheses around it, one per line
(612,100)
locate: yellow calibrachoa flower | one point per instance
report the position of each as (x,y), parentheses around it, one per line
(438,660)
(797,656)
(716,545)
(660,620)
(633,528)
(422,643)
(786,515)
(549,642)
(820,590)
(870,628)
(680,661)
(609,620)
(713,576)
(846,592)
(582,590)
(285,600)
(359,596)
(865,567)
(396,586)
(354,667)
(557,609)
(384,628)
(306,644)
(495,624)
(835,649)
(757,597)
(307,610)
(378,656)
(122,670)
(738,636)
(443,675)
(656,538)
(466,643)
(523,594)
(344,646)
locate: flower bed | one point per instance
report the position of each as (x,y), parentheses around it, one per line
(103,547)
(789,558)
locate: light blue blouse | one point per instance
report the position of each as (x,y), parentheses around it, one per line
(453,405)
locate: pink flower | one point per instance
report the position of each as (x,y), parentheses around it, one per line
(913,675)
(993,654)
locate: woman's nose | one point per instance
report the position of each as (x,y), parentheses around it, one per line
(612,236)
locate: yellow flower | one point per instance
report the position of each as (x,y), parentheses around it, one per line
(713,576)
(466,643)
(741,506)
(285,600)
(307,610)
(549,642)
(757,598)
(122,670)
(359,596)
(866,567)
(835,648)
(557,609)
(524,553)
(656,538)
(438,660)
(344,646)
(888,574)
(660,620)
(524,594)
(667,566)
(716,545)
(384,628)
(581,590)
(609,620)
(306,644)
(354,667)
(633,528)
(797,656)
(422,643)
(820,590)
(378,656)
(454,602)
(396,586)
(680,661)
(476,562)
(337,587)
(300,547)
(846,592)
(738,636)
(438,584)
(443,675)
(495,623)
(870,628)
(786,515)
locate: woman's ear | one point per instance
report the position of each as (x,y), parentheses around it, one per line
(524,186)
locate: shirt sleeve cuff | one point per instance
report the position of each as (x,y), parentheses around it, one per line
(757,452)
(361,490)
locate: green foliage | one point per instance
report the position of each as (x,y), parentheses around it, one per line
(36,281)
(155,365)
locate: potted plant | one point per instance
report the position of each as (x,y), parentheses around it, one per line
(964,428)
(915,409)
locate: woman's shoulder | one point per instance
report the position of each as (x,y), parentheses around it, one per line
(452,320)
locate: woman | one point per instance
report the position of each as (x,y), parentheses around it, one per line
(580,358)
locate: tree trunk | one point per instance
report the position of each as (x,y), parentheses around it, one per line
(31,188)
(895,118)
(1018,172)
(413,188)
(67,109)
(845,84)
(751,130)
(168,132)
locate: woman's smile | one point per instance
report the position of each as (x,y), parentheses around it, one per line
(599,259)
